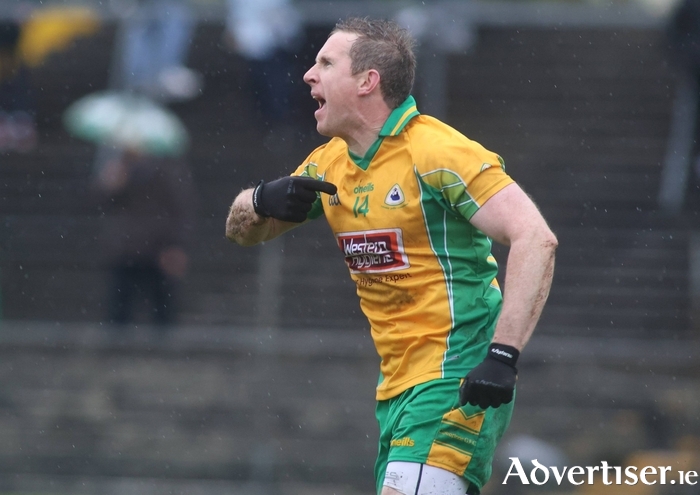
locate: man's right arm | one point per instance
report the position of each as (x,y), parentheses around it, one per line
(273,208)
(247,228)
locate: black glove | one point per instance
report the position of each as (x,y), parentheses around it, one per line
(289,198)
(491,383)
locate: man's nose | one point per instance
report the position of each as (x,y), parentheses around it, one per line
(310,76)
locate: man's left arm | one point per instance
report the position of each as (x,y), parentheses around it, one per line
(511,218)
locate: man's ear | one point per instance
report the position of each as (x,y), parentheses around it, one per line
(368,82)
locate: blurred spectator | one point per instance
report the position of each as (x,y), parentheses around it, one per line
(684,35)
(25,45)
(266,34)
(683,32)
(437,26)
(17,116)
(157,37)
(149,213)
(47,30)
(440,31)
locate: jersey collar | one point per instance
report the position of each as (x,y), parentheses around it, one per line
(399,117)
(397,120)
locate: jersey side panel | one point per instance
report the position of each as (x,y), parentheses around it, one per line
(457,176)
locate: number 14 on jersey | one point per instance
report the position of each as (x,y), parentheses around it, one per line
(361,207)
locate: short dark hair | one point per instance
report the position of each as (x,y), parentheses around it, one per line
(386,47)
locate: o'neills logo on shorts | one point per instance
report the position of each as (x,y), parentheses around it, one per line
(373,251)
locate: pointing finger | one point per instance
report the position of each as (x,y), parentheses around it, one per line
(320,185)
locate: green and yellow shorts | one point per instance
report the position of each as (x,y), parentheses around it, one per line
(425,424)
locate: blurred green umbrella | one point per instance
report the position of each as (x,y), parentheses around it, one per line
(127,120)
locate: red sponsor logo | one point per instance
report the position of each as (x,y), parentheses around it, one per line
(373,251)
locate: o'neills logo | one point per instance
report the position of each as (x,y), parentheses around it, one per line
(363,189)
(402,442)
(373,251)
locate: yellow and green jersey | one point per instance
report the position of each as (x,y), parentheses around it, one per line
(425,276)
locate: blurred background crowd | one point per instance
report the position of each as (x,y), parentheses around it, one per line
(140,352)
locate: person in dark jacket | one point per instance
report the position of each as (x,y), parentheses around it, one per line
(148,222)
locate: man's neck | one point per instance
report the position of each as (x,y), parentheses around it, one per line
(367,132)
(359,145)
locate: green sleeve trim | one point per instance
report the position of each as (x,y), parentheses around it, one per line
(453,189)
(311,170)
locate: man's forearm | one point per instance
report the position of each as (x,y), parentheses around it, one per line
(243,225)
(529,274)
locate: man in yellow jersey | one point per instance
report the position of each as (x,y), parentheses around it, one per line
(414,205)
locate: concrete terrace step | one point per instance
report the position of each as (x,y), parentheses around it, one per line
(611,319)
(207,400)
(558,143)
(588,108)
(633,296)
(649,290)
(605,45)
(594,258)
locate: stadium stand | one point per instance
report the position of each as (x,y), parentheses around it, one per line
(582,125)
(581,116)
